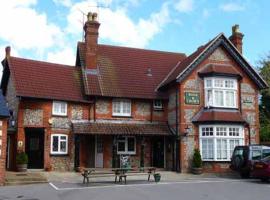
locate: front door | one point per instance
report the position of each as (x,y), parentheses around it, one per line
(99,152)
(34,147)
(158,153)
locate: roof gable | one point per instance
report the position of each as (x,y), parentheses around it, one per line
(192,61)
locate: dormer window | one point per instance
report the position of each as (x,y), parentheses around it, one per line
(158,104)
(220,92)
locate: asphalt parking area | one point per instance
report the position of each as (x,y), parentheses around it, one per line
(66,185)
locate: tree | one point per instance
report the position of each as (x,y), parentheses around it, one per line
(265,100)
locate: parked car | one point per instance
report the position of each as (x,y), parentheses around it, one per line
(244,157)
(261,169)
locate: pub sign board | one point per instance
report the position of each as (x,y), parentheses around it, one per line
(192,98)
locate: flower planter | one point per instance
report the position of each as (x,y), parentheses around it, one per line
(157,177)
(197,170)
(21,167)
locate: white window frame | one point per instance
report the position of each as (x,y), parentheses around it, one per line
(125,139)
(158,104)
(58,152)
(121,103)
(56,103)
(216,137)
(212,89)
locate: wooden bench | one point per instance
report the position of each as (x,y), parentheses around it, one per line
(95,173)
(124,172)
(119,173)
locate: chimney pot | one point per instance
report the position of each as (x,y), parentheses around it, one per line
(8,49)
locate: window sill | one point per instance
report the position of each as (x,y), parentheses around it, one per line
(211,161)
(122,116)
(126,153)
(219,107)
(59,155)
(158,109)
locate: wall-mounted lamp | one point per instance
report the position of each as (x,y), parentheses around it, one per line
(187,130)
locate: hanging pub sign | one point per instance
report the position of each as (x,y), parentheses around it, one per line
(192,98)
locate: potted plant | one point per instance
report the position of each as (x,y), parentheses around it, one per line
(21,161)
(197,162)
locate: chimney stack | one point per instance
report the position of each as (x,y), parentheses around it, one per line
(91,40)
(7,49)
(237,38)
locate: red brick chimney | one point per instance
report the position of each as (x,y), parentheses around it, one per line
(91,40)
(237,38)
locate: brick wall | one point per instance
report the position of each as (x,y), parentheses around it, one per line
(141,110)
(38,114)
(3,142)
(248,105)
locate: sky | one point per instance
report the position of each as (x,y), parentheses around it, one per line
(49,30)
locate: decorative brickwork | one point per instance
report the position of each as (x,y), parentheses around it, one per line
(142,109)
(219,55)
(33,117)
(192,84)
(248,102)
(76,112)
(247,88)
(103,107)
(60,122)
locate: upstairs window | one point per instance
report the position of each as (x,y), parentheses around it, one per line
(59,108)
(158,104)
(220,92)
(121,107)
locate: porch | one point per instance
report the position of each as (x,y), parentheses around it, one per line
(100,145)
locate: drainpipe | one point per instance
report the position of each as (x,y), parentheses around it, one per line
(178,137)
(249,137)
(95,100)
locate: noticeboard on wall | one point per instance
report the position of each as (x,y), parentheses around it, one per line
(192,98)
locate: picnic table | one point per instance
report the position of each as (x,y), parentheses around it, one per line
(120,173)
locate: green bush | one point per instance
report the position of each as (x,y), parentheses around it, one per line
(265,133)
(197,159)
(21,158)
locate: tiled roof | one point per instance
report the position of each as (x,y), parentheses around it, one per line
(219,69)
(218,115)
(128,72)
(4,112)
(46,80)
(102,128)
(180,67)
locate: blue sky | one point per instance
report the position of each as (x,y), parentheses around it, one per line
(49,30)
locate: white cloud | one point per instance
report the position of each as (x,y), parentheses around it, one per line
(24,28)
(184,6)
(117,26)
(206,13)
(63,56)
(232,7)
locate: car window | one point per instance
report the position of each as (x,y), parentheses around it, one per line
(266,153)
(238,152)
(256,154)
(266,159)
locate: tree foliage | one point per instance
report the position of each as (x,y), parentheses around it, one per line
(265,100)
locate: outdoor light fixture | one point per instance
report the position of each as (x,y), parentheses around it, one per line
(187,129)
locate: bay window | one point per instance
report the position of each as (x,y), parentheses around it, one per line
(220,92)
(217,142)
(121,107)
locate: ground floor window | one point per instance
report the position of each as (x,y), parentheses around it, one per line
(59,144)
(217,142)
(126,145)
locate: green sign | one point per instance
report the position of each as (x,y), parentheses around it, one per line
(192,98)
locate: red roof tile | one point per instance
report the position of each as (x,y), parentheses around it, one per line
(219,69)
(129,72)
(215,115)
(102,128)
(46,80)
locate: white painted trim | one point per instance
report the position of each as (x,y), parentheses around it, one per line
(59,113)
(241,139)
(59,141)
(126,152)
(121,114)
